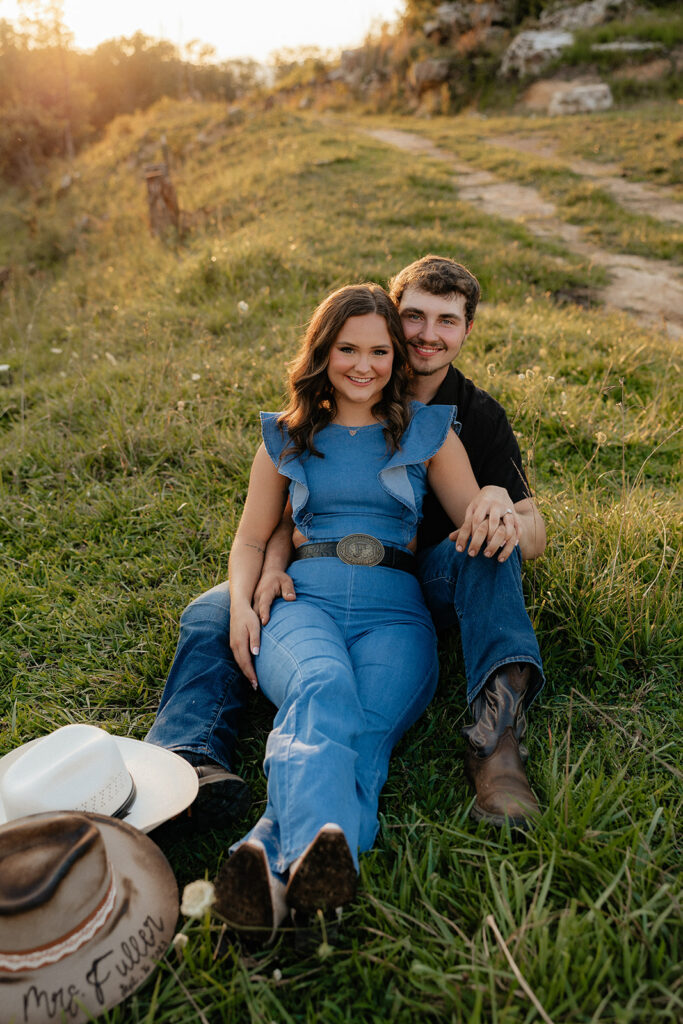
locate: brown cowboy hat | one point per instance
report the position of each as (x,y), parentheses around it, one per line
(88,905)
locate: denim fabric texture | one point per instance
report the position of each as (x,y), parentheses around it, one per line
(205,693)
(349,672)
(485,597)
(351,664)
(369,490)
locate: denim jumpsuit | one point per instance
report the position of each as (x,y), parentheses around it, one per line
(205,693)
(352,663)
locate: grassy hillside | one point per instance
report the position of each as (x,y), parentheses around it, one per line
(128,420)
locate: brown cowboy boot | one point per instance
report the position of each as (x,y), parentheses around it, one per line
(495,758)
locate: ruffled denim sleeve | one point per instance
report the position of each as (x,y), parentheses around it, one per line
(275,438)
(424,437)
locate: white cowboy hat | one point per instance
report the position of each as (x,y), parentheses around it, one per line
(84,768)
(88,905)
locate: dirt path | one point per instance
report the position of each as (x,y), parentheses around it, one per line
(651,289)
(656,202)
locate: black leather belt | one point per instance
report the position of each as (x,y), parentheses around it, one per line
(359,549)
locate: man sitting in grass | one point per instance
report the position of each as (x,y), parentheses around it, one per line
(206,690)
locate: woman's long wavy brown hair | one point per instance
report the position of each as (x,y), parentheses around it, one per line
(312,403)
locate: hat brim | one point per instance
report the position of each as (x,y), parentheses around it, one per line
(120,958)
(165,783)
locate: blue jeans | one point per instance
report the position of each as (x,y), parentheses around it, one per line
(350,665)
(485,597)
(205,691)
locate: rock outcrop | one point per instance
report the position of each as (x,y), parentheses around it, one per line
(470,41)
(586,15)
(581,99)
(453,19)
(428,74)
(530,52)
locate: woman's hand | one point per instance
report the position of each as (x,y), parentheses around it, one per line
(491,519)
(245,639)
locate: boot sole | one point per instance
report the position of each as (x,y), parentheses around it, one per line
(326,877)
(243,893)
(500,820)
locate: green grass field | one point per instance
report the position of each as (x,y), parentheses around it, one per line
(644,145)
(128,420)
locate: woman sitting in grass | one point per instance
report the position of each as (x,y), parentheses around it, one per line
(351,664)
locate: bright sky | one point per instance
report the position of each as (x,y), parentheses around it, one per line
(236,28)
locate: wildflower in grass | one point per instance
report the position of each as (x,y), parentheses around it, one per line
(197,898)
(179,943)
(56,351)
(243,307)
(520,376)
(550,379)
(529,374)
(491,369)
(277,974)
(600,438)
(180,405)
(196,376)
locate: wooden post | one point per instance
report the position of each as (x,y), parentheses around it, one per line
(164,212)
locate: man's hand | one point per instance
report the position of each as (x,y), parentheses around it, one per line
(273,583)
(245,639)
(490,519)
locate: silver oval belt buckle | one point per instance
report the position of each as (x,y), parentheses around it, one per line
(360,549)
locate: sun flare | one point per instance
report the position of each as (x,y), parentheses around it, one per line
(235,30)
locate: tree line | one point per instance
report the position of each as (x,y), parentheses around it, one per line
(54,98)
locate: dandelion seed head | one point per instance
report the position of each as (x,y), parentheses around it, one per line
(197,898)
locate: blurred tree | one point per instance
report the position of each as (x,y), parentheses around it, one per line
(42,24)
(53,98)
(298,65)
